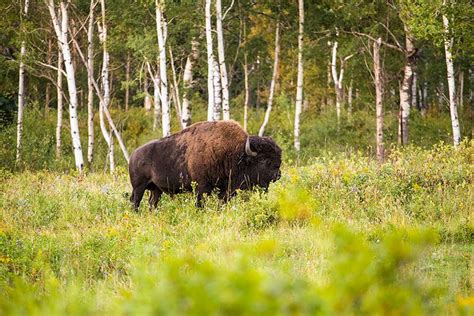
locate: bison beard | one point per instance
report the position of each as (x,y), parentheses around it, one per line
(214,155)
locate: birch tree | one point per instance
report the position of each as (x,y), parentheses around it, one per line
(61,34)
(59,90)
(299,80)
(337,79)
(104,104)
(90,88)
(21,89)
(210,63)
(448,47)
(378,99)
(273,82)
(161,30)
(405,88)
(216,113)
(188,84)
(222,66)
(247,92)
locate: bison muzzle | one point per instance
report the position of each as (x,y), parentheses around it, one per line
(217,156)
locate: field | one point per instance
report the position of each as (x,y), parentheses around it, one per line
(338,234)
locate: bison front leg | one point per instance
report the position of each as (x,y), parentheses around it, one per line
(155,196)
(201,190)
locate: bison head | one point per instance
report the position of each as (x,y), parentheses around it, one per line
(263,160)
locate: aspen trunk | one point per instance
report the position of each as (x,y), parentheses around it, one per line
(59,90)
(337,79)
(156,96)
(461,88)
(127,81)
(47,96)
(146,99)
(216,114)
(106,88)
(90,88)
(188,84)
(448,47)
(222,66)
(21,91)
(414,101)
(299,80)
(176,99)
(161,30)
(210,63)
(405,90)
(378,100)
(246,98)
(61,33)
(273,82)
(349,101)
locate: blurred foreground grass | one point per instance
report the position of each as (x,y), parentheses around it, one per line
(341,235)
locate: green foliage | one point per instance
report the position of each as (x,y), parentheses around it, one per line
(341,235)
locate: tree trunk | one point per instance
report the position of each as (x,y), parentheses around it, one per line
(146,100)
(61,33)
(349,101)
(338,80)
(246,98)
(21,91)
(161,30)
(461,88)
(405,89)
(47,97)
(188,84)
(414,103)
(299,81)
(156,95)
(424,104)
(216,114)
(448,47)
(273,82)
(210,63)
(90,88)
(378,100)
(222,66)
(177,101)
(59,90)
(127,81)
(106,88)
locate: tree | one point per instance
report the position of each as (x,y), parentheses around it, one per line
(90,88)
(21,88)
(378,99)
(188,84)
(210,63)
(61,34)
(273,82)
(222,67)
(161,30)
(299,80)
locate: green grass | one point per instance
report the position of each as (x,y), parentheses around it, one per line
(339,235)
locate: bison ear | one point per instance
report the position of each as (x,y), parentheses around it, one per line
(248,149)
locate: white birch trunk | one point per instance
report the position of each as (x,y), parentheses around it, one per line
(273,82)
(188,85)
(448,47)
(378,100)
(146,99)
(349,101)
(337,84)
(299,80)
(21,91)
(106,88)
(222,66)
(405,91)
(461,89)
(210,63)
(59,90)
(90,88)
(156,100)
(216,114)
(414,103)
(127,81)
(161,32)
(61,33)
(176,97)
(247,94)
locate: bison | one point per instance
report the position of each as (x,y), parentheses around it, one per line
(214,155)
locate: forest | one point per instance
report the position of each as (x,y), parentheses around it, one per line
(371,102)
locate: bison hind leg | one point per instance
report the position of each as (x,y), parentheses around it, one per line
(137,195)
(155,195)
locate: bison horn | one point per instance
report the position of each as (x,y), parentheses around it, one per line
(249,150)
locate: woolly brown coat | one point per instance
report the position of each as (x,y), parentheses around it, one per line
(211,154)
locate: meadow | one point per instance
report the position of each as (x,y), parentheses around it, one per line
(340,233)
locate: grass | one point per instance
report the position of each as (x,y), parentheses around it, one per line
(338,235)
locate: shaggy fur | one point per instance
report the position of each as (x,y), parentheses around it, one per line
(211,154)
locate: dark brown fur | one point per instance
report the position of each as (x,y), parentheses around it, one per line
(211,154)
